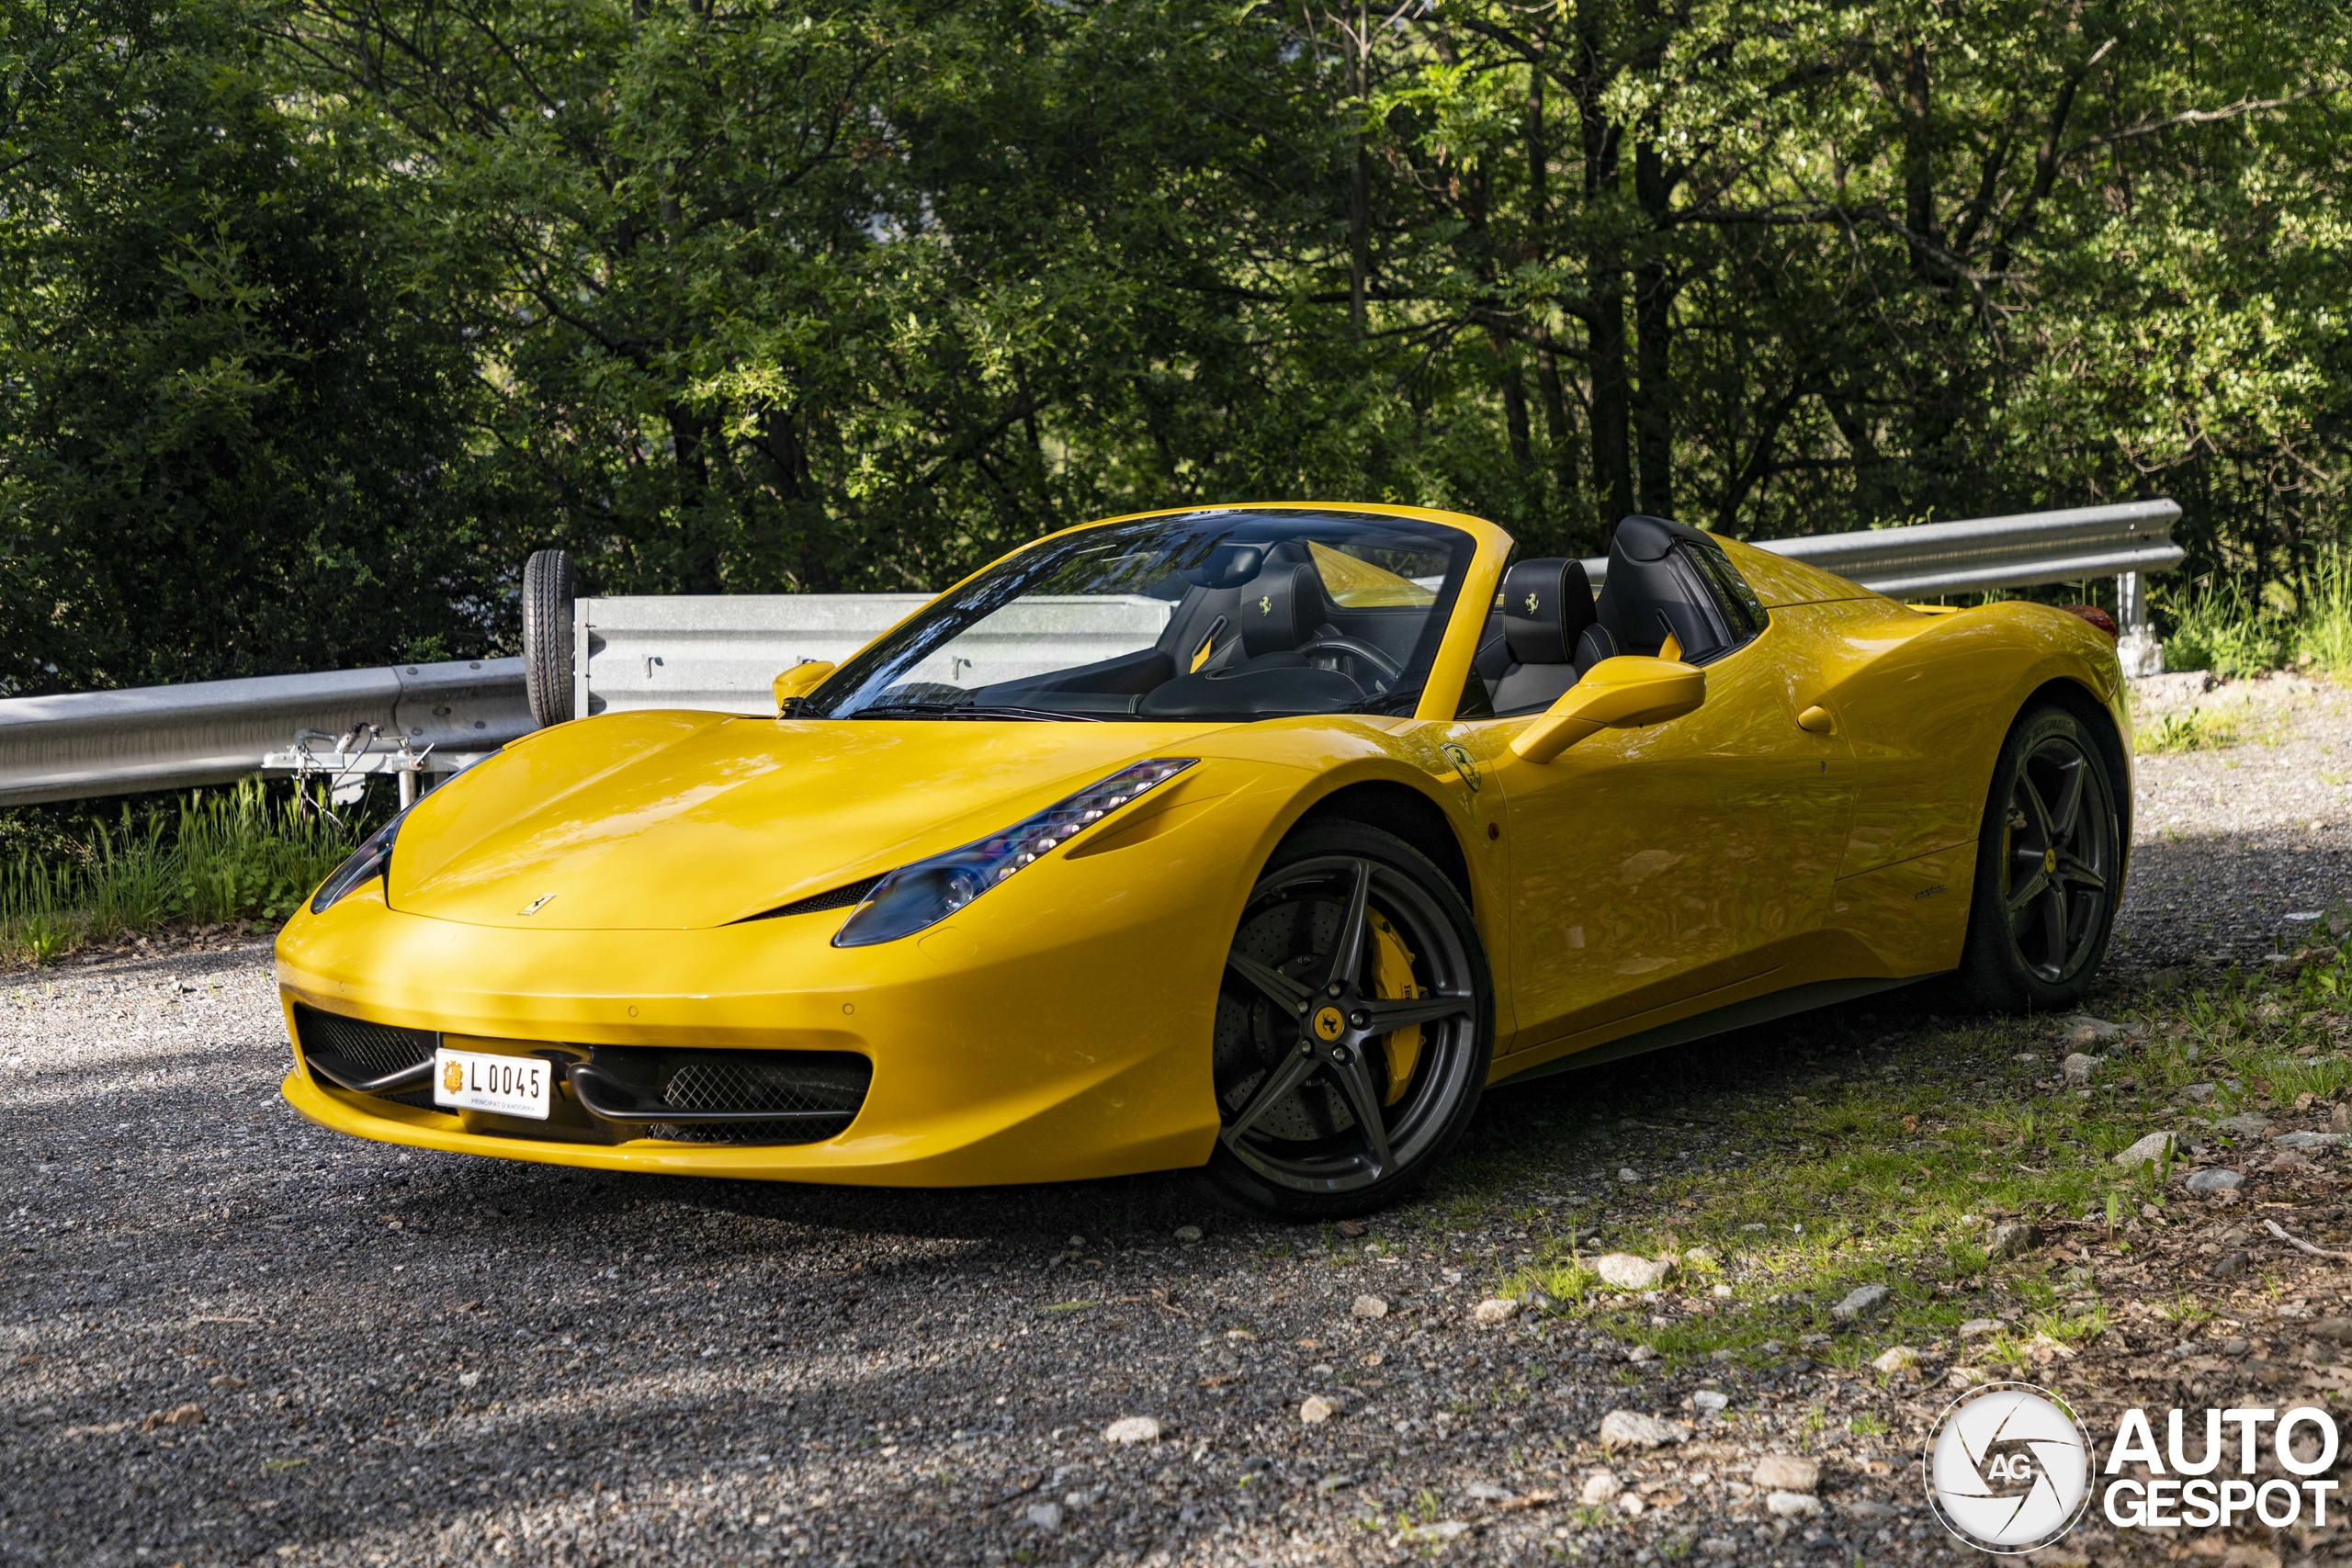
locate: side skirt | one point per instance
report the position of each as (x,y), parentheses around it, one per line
(1722,1020)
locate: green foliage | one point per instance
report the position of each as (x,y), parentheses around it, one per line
(315,316)
(245,855)
(2194,730)
(231,407)
(2223,627)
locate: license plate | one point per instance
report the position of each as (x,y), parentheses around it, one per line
(511,1086)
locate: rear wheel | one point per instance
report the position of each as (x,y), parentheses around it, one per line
(2049,867)
(1354,1024)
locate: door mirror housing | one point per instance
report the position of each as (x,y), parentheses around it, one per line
(1623,692)
(798,681)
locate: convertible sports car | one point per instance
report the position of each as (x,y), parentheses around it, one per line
(1260,840)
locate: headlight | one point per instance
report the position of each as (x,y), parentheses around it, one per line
(930,890)
(371,859)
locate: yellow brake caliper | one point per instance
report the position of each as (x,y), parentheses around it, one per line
(1392,980)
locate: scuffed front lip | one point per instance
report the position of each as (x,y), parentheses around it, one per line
(1058,1029)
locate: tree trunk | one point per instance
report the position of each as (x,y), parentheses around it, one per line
(1523,446)
(1653,324)
(698,528)
(1612,483)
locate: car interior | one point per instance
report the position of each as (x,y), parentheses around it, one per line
(1252,635)
(1253,632)
(1665,581)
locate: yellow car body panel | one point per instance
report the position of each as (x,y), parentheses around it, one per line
(602,884)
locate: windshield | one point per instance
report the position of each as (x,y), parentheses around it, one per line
(1225,615)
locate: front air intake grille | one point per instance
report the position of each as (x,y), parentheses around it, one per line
(816,904)
(725,1096)
(372,1058)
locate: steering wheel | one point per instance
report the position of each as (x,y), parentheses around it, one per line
(1354,648)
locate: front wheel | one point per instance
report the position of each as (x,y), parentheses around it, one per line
(1354,1025)
(2049,867)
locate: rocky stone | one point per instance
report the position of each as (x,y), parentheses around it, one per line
(1698,1256)
(1046,1517)
(1368,1306)
(1896,1360)
(1488,1492)
(2079,1068)
(1868,1508)
(1442,1530)
(2014,1240)
(1861,1301)
(1600,1488)
(2199,1093)
(1632,1429)
(1641,1353)
(1977,1328)
(1315,1410)
(1132,1429)
(2339,1119)
(2313,1140)
(1710,1401)
(1792,1504)
(1495,1311)
(1718,1546)
(2334,1330)
(2082,1029)
(1188,1233)
(1721,1293)
(2207,1182)
(2148,1150)
(1628,1175)
(2245,1124)
(1786,1473)
(1965,1377)
(1623,1272)
(178,1415)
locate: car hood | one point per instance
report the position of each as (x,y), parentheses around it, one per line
(663,820)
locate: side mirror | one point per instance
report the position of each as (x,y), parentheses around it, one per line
(799,680)
(1616,693)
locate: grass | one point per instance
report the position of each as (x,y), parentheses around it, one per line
(2217,628)
(246,854)
(2194,730)
(1895,1173)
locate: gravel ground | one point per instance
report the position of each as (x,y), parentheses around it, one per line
(2232,843)
(232,1336)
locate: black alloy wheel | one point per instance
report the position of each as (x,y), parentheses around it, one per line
(1354,1025)
(2049,868)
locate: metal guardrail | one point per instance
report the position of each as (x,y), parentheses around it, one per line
(75,745)
(722,653)
(1980,553)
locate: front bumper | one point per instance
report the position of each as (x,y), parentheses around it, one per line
(1058,1030)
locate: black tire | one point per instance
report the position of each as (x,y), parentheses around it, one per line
(547,636)
(1299,1045)
(2049,866)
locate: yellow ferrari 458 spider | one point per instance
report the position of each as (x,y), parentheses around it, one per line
(1260,840)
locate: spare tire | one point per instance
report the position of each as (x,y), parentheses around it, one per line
(547,635)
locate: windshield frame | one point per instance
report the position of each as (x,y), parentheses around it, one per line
(1469,547)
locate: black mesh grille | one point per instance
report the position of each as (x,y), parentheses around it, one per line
(839,898)
(741,1082)
(352,1050)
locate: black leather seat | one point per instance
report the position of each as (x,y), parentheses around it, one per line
(1658,583)
(1548,639)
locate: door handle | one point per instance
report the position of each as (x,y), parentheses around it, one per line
(1818,721)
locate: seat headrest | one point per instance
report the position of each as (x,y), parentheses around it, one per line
(1281,608)
(1547,606)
